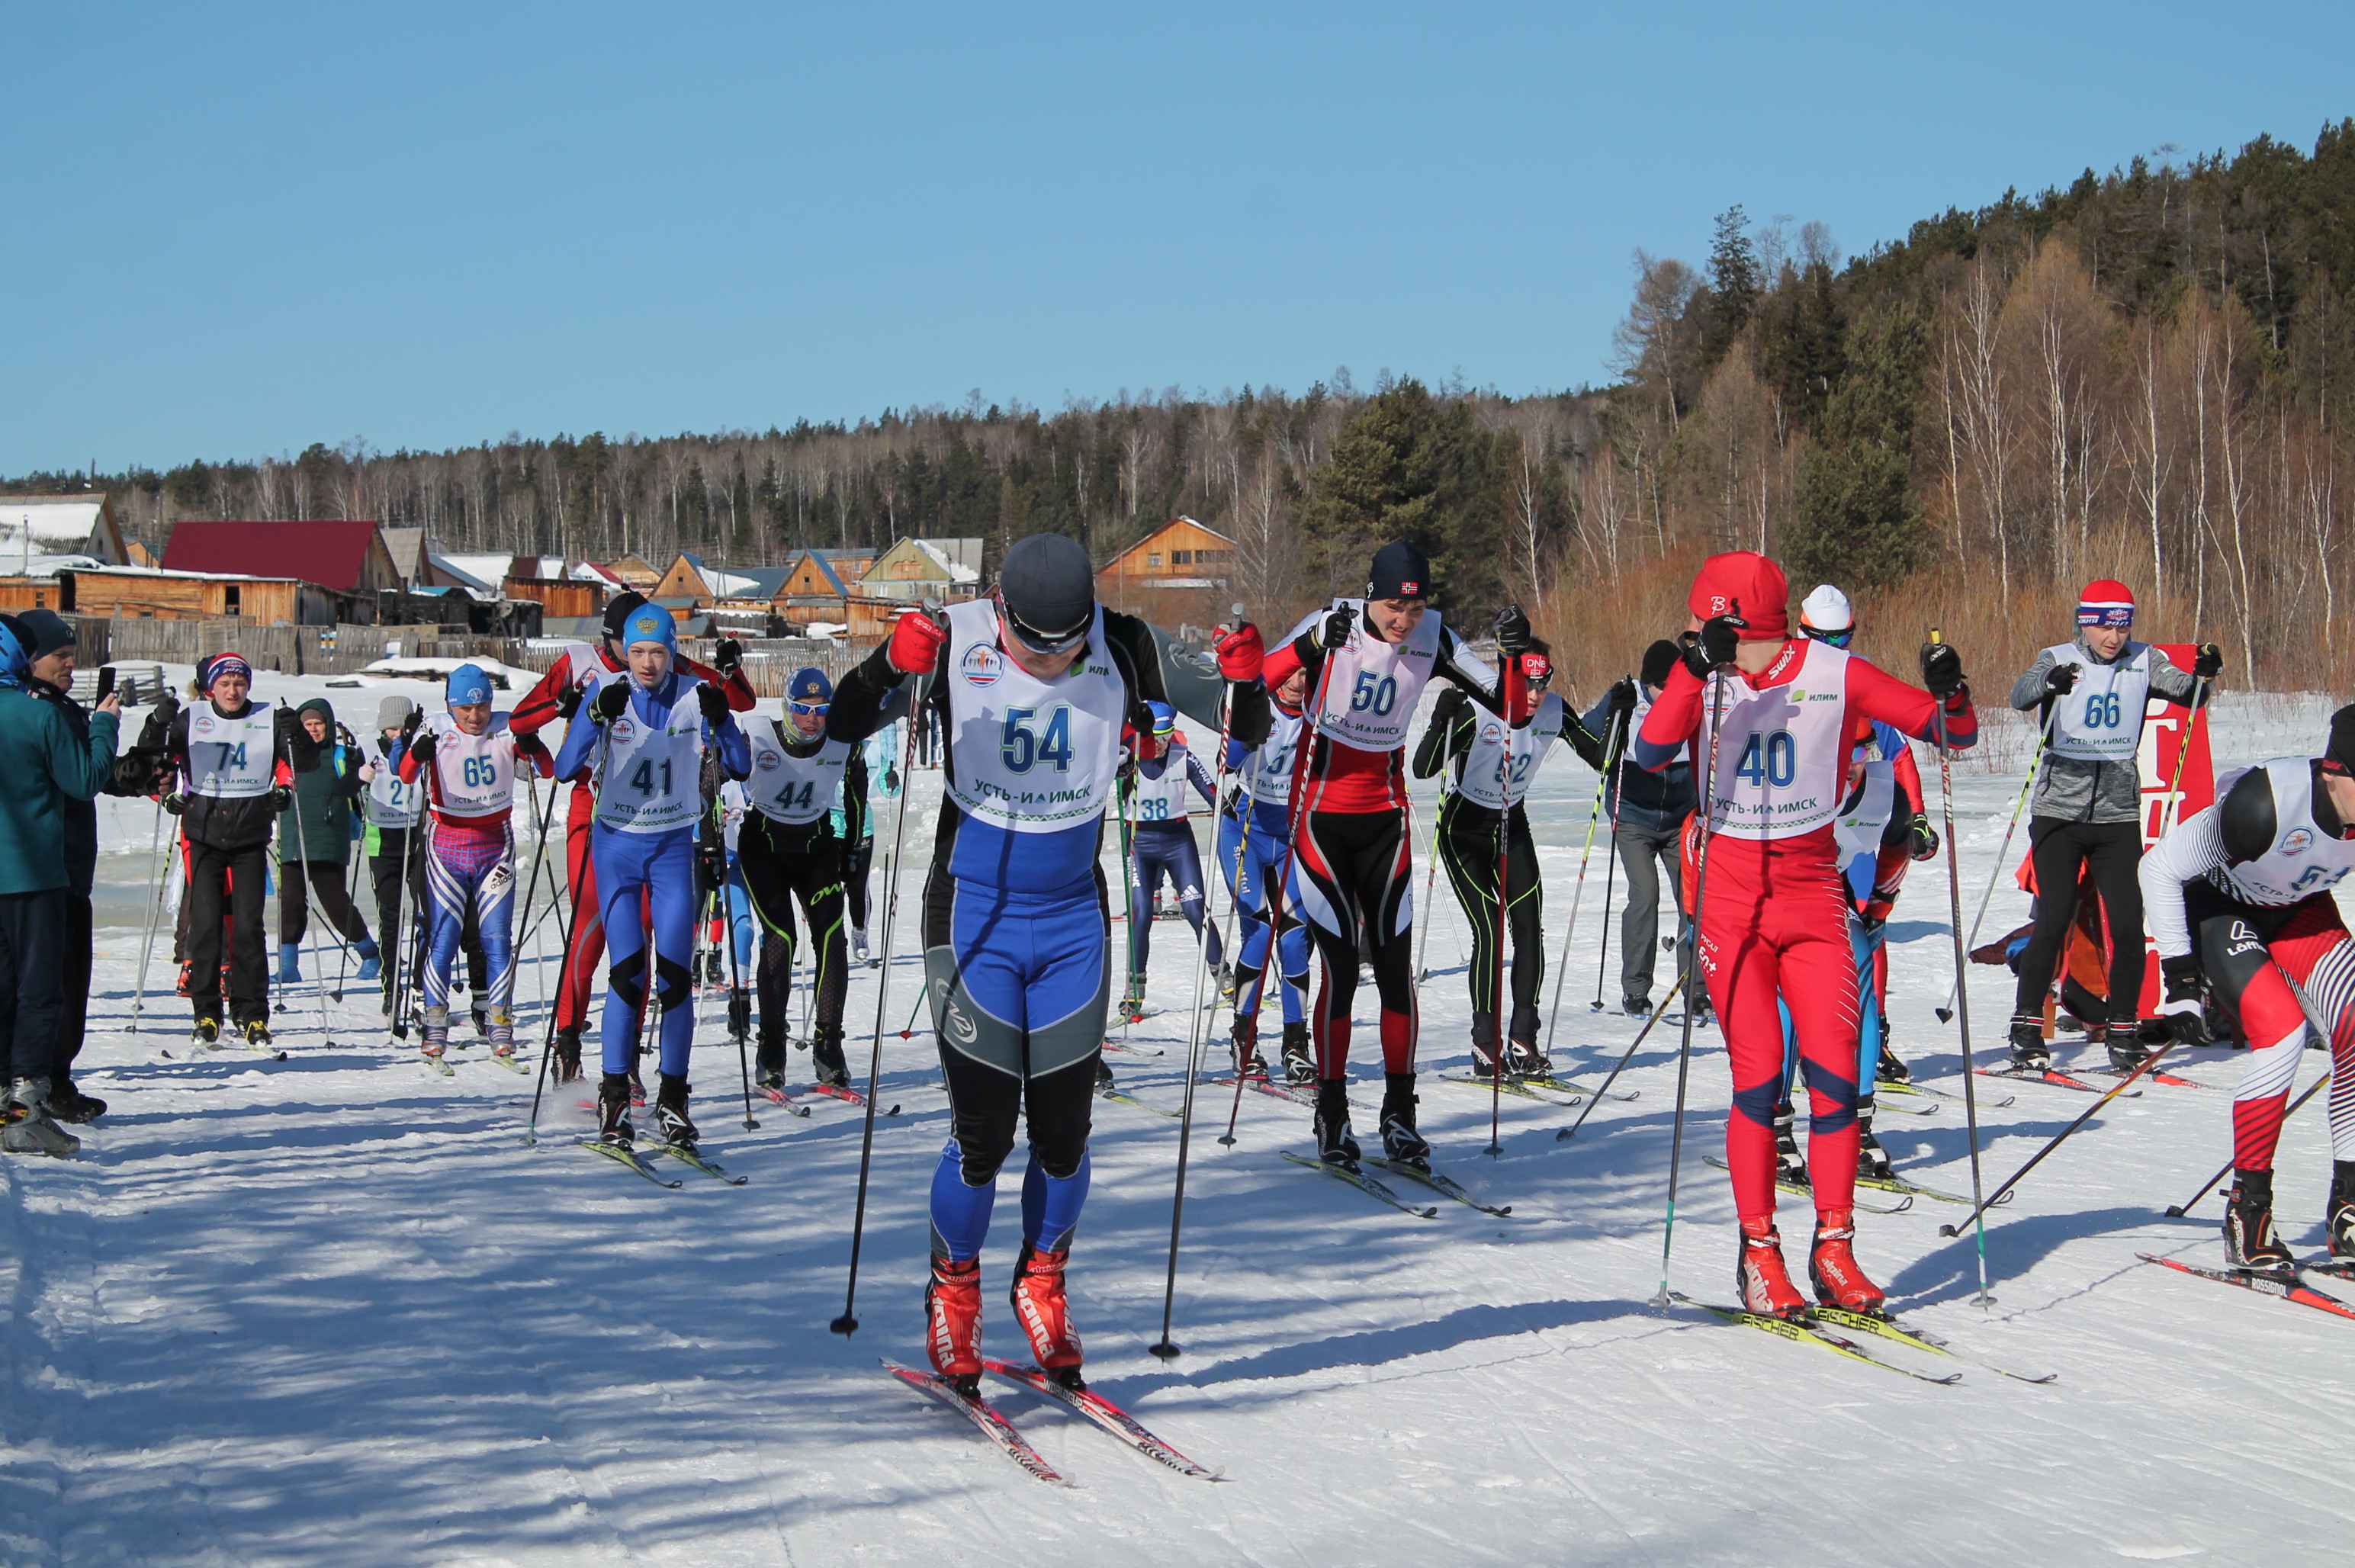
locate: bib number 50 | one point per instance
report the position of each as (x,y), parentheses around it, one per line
(1375,696)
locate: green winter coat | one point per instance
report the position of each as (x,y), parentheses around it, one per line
(52,764)
(323,798)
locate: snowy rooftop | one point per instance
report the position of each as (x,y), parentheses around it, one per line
(46,525)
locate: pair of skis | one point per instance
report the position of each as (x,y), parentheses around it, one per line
(1445,1185)
(1817,1327)
(2284,1287)
(1089,1405)
(692,1159)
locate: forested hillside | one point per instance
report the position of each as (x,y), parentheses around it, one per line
(2138,376)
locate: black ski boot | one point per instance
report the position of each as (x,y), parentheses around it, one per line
(2250,1244)
(614,1110)
(1891,1068)
(1299,1059)
(826,1059)
(2126,1049)
(1871,1159)
(1790,1164)
(769,1060)
(69,1104)
(1104,1082)
(2341,1213)
(567,1054)
(1401,1142)
(1245,1044)
(671,1125)
(1524,1060)
(1334,1143)
(1484,1044)
(2029,1051)
(740,1013)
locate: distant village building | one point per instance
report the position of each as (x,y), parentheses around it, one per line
(35,529)
(946,569)
(1180,573)
(344,557)
(152,594)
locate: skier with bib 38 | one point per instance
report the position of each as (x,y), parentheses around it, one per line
(2238,897)
(1768,721)
(643,730)
(2088,807)
(1161,844)
(1368,661)
(1033,687)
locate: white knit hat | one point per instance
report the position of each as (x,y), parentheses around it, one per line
(1827,610)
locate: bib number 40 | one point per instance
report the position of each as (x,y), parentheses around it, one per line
(1769,759)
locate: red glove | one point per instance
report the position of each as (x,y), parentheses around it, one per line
(1240,652)
(916,640)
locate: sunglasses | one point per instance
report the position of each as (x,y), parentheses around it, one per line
(1039,641)
(1839,639)
(812,710)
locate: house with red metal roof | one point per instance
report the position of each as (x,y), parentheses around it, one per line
(346,558)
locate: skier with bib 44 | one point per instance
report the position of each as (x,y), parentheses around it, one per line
(1768,721)
(1034,688)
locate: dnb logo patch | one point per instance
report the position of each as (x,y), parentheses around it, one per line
(981,666)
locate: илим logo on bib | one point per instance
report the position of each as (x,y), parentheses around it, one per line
(982,664)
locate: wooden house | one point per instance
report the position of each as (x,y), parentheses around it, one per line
(137,594)
(946,569)
(78,527)
(633,573)
(1178,573)
(342,556)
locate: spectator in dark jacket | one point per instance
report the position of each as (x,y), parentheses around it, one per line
(314,844)
(54,764)
(1648,812)
(234,763)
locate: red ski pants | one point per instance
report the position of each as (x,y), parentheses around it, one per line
(588,948)
(1774,924)
(2275,969)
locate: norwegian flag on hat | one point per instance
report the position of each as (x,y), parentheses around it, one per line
(2106,603)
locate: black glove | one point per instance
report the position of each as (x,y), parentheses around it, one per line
(739,1011)
(159,720)
(2059,680)
(1623,697)
(1446,706)
(714,703)
(2209,662)
(412,724)
(1512,631)
(2184,1015)
(713,856)
(1941,670)
(728,657)
(175,802)
(2187,1027)
(613,701)
(1333,630)
(421,747)
(1712,646)
(1925,837)
(2185,981)
(568,703)
(285,726)
(280,797)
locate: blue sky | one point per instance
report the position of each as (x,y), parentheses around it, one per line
(235,231)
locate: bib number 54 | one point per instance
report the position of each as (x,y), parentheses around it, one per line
(1022,747)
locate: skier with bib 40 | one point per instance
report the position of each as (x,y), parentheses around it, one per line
(1034,688)
(1768,721)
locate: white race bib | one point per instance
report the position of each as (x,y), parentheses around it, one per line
(232,759)
(1269,769)
(1781,767)
(1025,754)
(474,776)
(788,788)
(651,780)
(1371,687)
(389,802)
(1163,799)
(2100,719)
(1484,781)
(2303,860)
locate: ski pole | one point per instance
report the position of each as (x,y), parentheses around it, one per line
(1683,973)
(303,872)
(2147,1064)
(563,973)
(1692,1003)
(1430,882)
(1166,1347)
(1962,997)
(848,1324)
(2177,1211)
(1503,864)
(739,1005)
(2173,810)
(155,912)
(1610,870)
(1946,1013)
(1578,891)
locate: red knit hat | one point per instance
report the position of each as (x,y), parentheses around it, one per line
(1744,583)
(2106,603)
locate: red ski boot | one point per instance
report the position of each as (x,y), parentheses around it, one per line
(1038,1299)
(953,1321)
(1762,1281)
(1838,1277)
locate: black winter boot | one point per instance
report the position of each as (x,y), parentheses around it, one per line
(2340,1212)
(671,1123)
(1299,1058)
(831,1067)
(567,1054)
(614,1110)
(1334,1143)
(2251,1243)
(2029,1051)
(1790,1164)
(1401,1141)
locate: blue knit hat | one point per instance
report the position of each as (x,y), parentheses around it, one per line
(468,683)
(809,685)
(649,623)
(16,661)
(1165,717)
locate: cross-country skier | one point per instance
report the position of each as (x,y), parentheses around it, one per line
(1033,687)
(1368,662)
(787,852)
(1774,912)
(1263,854)
(1648,812)
(474,758)
(391,810)
(53,762)
(236,761)
(1161,845)
(645,730)
(558,695)
(315,846)
(1476,745)
(2238,899)
(2088,806)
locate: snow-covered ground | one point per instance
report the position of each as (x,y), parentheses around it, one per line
(333,1309)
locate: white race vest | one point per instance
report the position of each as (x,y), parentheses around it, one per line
(1025,754)
(2303,860)
(786,788)
(1781,767)
(389,802)
(1864,819)
(731,812)
(1164,799)
(1268,770)
(1484,781)
(651,779)
(232,759)
(1371,687)
(2100,719)
(474,776)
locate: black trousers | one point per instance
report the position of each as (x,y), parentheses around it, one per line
(228,885)
(32,978)
(73,1017)
(326,880)
(2113,851)
(858,859)
(1467,848)
(783,863)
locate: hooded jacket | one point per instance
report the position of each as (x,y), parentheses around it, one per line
(323,798)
